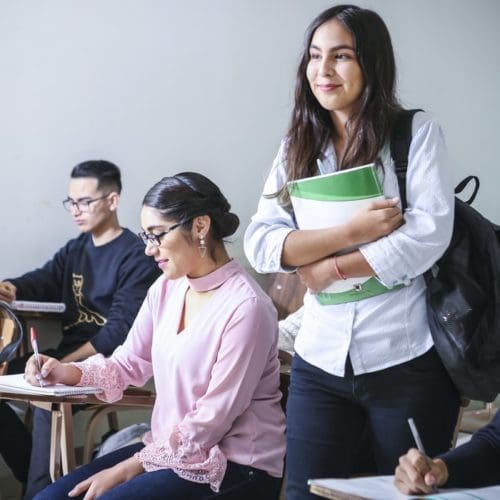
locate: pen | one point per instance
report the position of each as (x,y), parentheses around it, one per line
(420,446)
(34,345)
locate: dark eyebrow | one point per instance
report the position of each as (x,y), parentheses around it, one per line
(335,48)
(85,198)
(151,228)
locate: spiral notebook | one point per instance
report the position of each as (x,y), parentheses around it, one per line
(17,384)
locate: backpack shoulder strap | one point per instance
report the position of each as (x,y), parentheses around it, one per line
(400,147)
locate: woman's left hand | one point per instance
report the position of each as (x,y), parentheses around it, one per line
(107,479)
(318,275)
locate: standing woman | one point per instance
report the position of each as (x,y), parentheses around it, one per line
(208,335)
(368,364)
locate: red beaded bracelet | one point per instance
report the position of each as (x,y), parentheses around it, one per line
(340,274)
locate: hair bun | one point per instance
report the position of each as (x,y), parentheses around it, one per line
(230,223)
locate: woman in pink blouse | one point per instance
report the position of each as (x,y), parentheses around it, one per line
(208,335)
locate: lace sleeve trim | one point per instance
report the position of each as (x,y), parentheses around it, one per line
(187,459)
(97,371)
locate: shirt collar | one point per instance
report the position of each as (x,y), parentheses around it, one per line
(329,158)
(214,279)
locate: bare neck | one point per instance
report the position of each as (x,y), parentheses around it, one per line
(339,137)
(211,263)
(107,232)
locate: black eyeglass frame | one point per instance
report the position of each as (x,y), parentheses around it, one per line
(70,204)
(155,239)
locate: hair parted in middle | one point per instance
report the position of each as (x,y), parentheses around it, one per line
(368,128)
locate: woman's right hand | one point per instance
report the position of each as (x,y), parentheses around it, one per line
(379,218)
(51,372)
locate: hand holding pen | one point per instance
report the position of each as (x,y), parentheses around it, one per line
(416,472)
(34,346)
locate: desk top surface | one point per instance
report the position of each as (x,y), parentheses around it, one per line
(132,396)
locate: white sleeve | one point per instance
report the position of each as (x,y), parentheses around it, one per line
(269,227)
(413,248)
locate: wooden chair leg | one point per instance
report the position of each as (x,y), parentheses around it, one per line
(68,461)
(55,446)
(457,426)
(91,427)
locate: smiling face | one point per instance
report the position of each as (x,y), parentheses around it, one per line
(333,71)
(178,254)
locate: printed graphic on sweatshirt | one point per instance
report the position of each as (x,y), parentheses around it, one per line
(85,315)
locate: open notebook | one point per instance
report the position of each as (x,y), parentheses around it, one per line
(17,384)
(382,488)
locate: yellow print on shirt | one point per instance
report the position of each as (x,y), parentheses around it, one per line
(85,315)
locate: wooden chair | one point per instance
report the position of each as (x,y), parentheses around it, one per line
(134,398)
(287,292)
(11,342)
(473,420)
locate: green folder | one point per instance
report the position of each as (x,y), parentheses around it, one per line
(330,200)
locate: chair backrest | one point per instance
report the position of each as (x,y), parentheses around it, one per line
(11,335)
(287,292)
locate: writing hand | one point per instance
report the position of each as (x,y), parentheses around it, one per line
(378,219)
(7,291)
(416,474)
(52,372)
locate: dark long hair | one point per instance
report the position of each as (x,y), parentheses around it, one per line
(186,195)
(368,127)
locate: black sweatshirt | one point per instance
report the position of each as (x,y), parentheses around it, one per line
(102,287)
(476,463)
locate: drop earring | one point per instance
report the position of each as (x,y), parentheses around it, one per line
(202,247)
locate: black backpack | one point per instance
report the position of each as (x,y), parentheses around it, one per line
(463,287)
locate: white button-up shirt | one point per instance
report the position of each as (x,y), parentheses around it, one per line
(387,329)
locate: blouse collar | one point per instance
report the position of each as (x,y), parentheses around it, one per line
(214,279)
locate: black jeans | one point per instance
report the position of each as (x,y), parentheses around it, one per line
(327,417)
(240,482)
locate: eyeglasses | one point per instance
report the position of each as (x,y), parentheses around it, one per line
(81,205)
(155,239)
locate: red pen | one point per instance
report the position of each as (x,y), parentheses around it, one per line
(34,345)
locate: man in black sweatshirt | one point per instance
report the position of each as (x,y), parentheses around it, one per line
(102,276)
(471,465)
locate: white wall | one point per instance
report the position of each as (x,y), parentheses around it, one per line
(162,86)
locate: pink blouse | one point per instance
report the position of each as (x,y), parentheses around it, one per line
(217,395)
